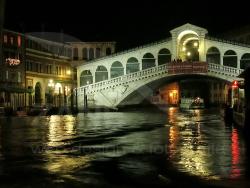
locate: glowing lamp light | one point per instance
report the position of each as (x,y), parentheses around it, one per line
(189,54)
(51,83)
(68,72)
(12,62)
(183,49)
(195,44)
(235,84)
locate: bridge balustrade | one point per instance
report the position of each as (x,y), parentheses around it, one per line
(169,68)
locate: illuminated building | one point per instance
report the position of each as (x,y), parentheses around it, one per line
(12,74)
(48,72)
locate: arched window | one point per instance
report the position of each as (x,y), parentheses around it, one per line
(86,78)
(245,61)
(213,55)
(75,54)
(164,56)
(116,69)
(230,59)
(148,61)
(132,65)
(97,52)
(101,73)
(91,53)
(108,51)
(84,53)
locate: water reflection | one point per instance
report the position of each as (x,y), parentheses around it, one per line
(197,143)
(60,128)
(235,150)
(201,147)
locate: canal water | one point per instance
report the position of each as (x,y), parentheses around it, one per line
(122,149)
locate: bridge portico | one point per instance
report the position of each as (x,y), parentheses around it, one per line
(107,80)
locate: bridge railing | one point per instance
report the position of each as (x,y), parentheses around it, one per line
(224,70)
(170,68)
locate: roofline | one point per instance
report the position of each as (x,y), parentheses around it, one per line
(47,41)
(103,42)
(7,30)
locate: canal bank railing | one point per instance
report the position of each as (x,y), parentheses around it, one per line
(169,69)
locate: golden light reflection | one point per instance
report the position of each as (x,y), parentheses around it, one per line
(171,114)
(60,128)
(59,160)
(173,140)
(186,153)
(63,164)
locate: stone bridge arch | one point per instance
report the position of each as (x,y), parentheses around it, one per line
(139,92)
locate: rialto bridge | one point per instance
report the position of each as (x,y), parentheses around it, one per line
(130,76)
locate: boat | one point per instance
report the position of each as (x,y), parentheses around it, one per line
(192,103)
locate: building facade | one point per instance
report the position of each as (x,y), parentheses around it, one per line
(86,51)
(49,77)
(12,74)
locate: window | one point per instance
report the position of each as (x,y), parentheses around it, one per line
(98,52)
(91,53)
(29,66)
(59,70)
(75,57)
(49,69)
(19,41)
(11,40)
(19,77)
(40,68)
(108,51)
(84,53)
(29,82)
(5,39)
(36,67)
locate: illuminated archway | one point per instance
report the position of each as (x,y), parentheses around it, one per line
(188,45)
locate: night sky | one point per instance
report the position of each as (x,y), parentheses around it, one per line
(129,23)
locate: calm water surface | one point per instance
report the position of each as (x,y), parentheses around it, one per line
(109,149)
